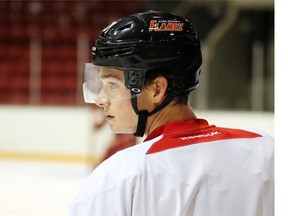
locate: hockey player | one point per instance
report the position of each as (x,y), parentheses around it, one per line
(144,67)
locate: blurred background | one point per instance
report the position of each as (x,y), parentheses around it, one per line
(50,140)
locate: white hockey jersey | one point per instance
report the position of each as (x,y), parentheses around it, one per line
(184,168)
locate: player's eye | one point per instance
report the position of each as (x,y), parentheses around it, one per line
(113,85)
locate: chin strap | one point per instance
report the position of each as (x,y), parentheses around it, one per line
(144,114)
(142,120)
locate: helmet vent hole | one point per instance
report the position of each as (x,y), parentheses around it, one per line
(127,26)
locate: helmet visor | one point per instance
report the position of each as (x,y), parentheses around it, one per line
(103,84)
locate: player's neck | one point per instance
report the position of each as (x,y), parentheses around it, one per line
(168,114)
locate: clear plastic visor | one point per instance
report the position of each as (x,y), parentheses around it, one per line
(103,84)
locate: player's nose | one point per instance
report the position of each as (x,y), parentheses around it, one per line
(102,102)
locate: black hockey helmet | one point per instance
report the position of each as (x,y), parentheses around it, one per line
(149,41)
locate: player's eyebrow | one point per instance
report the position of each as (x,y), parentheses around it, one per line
(109,74)
(106,76)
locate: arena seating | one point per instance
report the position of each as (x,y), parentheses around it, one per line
(56,26)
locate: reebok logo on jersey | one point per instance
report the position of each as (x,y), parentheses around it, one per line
(172,140)
(213,133)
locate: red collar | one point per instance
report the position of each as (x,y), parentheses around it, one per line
(169,128)
(194,131)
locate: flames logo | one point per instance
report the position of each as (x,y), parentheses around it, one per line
(165,25)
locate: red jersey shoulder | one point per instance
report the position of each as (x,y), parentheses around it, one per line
(184,138)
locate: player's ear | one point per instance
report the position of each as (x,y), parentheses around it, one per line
(159,88)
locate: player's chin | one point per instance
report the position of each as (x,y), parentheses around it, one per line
(122,130)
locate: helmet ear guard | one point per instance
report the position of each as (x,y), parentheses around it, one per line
(134,80)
